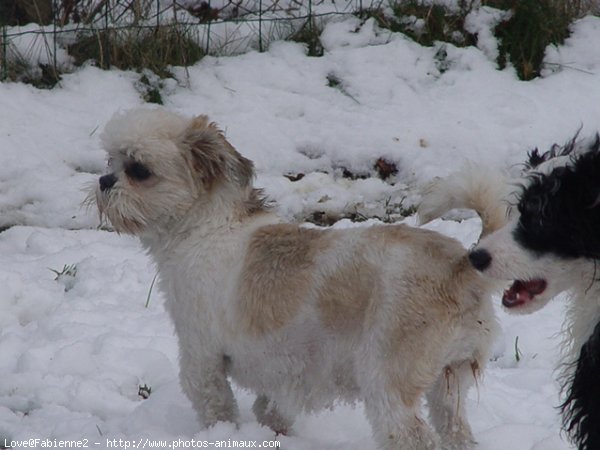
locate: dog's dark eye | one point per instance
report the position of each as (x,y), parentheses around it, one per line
(137,171)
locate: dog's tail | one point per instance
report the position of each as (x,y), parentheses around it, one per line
(481,189)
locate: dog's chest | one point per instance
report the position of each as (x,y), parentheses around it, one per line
(198,278)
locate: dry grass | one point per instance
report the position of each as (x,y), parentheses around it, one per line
(154,49)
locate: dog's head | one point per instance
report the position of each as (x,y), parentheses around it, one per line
(161,164)
(554,241)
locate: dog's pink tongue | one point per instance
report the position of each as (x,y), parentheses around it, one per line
(522,292)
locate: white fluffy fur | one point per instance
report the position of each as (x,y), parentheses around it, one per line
(302,317)
(481,189)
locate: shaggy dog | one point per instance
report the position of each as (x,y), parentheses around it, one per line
(301,316)
(550,245)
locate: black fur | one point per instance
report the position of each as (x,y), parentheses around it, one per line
(560,211)
(581,409)
(534,158)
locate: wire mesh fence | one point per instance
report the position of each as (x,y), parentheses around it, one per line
(68,32)
(41,39)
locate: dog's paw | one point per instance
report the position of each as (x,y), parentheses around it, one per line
(457,441)
(268,415)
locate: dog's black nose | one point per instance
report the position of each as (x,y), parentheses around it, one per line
(107,181)
(480,259)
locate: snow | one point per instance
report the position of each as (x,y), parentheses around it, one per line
(74,349)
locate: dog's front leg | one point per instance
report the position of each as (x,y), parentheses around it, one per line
(203,378)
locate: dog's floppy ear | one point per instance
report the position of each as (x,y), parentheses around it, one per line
(213,158)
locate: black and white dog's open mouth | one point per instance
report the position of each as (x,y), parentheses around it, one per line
(522,292)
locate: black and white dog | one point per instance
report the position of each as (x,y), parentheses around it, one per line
(551,244)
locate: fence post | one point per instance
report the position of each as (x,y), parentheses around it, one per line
(4,53)
(106,39)
(310,19)
(208,30)
(260,37)
(158,15)
(54,38)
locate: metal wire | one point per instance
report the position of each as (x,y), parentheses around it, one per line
(106,15)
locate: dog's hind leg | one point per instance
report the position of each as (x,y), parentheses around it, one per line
(446,400)
(392,406)
(267,414)
(397,426)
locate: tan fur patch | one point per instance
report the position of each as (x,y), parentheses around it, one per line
(428,242)
(347,294)
(447,262)
(431,301)
(278,275)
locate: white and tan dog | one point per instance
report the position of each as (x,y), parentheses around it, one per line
(303,317)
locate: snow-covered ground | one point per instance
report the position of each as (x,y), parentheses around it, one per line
(75,348)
